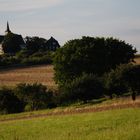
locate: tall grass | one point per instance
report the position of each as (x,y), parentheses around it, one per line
(108,125)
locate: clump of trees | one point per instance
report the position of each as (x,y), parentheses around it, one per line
(103,57)
(34,96)
(90,55)
(25,97)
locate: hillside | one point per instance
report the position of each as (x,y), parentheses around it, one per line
(116,119)
(41,74)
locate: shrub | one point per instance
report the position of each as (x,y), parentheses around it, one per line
(132,78)
(124,78)
(9,103)
(83,88)
(114,81)
(35,96)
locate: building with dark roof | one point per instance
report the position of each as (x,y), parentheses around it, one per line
(52,44)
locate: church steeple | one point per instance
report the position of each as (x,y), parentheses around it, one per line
(8,28)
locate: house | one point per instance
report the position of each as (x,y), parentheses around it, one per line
(11,42)
(52,44)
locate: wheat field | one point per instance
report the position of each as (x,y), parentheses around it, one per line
(40,74)
(137,59)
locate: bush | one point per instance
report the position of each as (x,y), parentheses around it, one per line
(35,96)
(9,103)
(132,78)
(83,88)
(123,79)
(114,81)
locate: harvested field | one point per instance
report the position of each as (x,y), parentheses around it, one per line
(137,59)
(40,74)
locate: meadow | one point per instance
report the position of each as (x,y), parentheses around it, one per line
(120,124)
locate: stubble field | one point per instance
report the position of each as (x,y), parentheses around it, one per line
(40,74)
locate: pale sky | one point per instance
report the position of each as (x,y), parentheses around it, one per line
(69,19)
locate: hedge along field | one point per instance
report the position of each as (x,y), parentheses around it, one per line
(121,124)
(40,74)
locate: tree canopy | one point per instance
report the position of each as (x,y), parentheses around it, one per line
(90,55)
(11,43)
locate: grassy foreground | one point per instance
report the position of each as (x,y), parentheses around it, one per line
(121,124)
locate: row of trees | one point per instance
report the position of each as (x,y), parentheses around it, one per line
(24,58)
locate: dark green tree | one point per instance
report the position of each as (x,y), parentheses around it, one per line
(115,82)
(35,44)
(123,79)
(132,78)
(90,55)
(11,43)
(9,103)
(84,88)
(35,96)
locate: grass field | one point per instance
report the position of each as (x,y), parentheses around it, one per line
(121,124)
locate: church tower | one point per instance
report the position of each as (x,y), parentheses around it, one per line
(8,29)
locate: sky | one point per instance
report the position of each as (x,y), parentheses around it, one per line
(70,19)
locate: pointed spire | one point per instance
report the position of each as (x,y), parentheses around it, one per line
(8,28)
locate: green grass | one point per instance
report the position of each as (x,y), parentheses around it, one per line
(118,124)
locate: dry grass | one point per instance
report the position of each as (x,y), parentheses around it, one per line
(39,74)
(137,59)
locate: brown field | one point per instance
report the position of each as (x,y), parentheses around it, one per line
(137,59)
(40,74)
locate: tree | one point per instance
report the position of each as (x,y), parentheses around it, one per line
(115,82)
(35,44)
(90,55)
(83,88)
(9,103)
(132,78)
(11,43)
(124,78)
(34,96)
